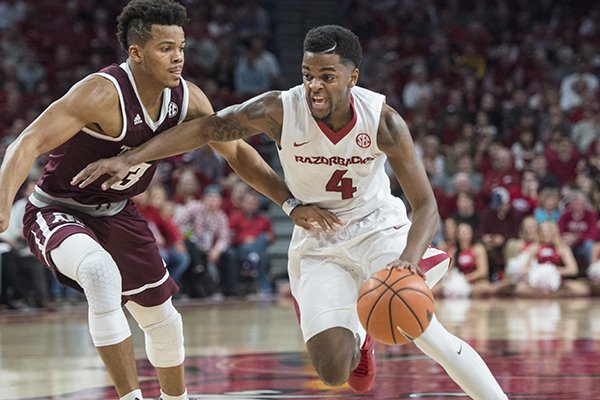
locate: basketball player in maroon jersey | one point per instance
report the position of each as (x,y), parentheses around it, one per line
(95,240)
(333,139)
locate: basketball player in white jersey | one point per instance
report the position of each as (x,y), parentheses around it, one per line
(95,240)
(333,139)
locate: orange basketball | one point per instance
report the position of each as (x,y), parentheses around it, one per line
(395,306)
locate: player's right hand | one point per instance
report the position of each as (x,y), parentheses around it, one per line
(116,167)
(311,217)
(403,264)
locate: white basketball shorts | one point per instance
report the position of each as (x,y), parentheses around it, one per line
(326,270)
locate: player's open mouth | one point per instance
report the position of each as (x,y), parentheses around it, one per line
(319,103)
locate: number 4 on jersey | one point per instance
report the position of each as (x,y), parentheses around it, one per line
(337,183)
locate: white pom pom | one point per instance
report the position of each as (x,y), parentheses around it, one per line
(516,267)
(456,286)
(544,277)
(593,272)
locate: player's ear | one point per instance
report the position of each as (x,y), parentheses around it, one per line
(134,53)
(354,77)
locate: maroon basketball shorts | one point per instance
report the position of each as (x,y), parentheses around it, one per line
(125,236)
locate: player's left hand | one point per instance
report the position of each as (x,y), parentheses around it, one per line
(402,264)
(311,217)
(116,167)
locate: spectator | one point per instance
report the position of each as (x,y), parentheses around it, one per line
(585,183)
(525,148)
(465,165)
(24,278)
(539,165)
(233,202)
(553,119)
(449,125)
(152,205)
(466,213)
(498,224)
(30,72)
(547,208)
(257,71)
(502,172)
(562,162)
(433,159)
(578,86)
(578,226)
(525,198)
(188,188)
(251,20)
(209,237)
(448,242)
(587,130)
(528,234)
(252,234)
(551,267)
(418,90)
(470,261)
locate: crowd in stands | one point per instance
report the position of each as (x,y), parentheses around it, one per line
(501,97)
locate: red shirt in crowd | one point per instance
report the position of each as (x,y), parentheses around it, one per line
(164,229)
(585,227)
(246,227)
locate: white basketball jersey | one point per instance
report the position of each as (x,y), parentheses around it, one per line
(343,171)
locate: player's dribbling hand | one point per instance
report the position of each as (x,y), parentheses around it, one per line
(312,217)
(116,167)
(401,264)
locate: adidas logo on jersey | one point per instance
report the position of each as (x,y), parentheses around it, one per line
(137,119)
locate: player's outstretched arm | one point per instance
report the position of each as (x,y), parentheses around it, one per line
(87,101)
(393,138)
(263,113)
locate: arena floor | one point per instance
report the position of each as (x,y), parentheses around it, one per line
(253,350)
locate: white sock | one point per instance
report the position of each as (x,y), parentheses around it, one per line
(460,361)
(135,395)
(362,333)
(182,396)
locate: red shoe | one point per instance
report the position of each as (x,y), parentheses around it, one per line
(361,379)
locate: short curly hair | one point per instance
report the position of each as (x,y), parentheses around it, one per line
(134,24)
(334,39)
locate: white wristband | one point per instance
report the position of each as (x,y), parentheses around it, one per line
(289,205)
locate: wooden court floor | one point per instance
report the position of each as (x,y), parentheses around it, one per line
(537,349)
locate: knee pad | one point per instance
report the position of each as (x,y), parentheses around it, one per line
(82,259)
(100,279)
(163,330)
(109,328)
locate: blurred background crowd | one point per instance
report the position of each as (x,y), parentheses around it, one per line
(502,99)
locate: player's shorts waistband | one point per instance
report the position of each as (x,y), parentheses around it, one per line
(39,198)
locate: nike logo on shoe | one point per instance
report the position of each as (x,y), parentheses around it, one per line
(300,144)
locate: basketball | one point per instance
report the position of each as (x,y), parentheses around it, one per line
(395,306)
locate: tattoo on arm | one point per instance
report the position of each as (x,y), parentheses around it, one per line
(226,129)
(256,115)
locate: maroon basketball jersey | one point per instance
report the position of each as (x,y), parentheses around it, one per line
(88,146)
